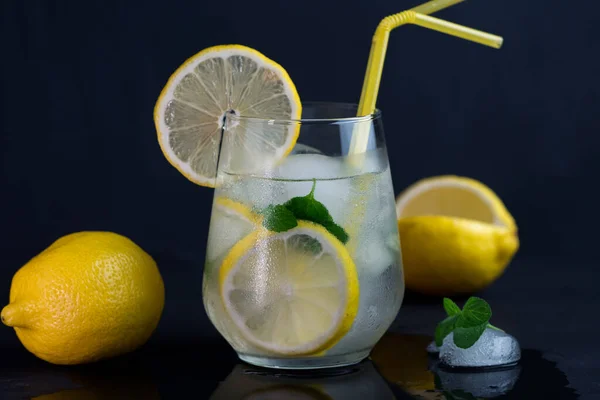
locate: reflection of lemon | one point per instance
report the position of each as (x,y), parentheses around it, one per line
(403,361)
(457,236)
(291,293)
(90,295)
(218,80)
(134,391)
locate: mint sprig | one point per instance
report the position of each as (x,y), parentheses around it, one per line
(336,231)
(282,217)
(467,324)
(307,208)
(278,218)
(451,307)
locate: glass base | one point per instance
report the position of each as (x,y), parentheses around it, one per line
(306,362)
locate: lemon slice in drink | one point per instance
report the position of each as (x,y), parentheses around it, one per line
(230,222)
(290,293)
(190,111)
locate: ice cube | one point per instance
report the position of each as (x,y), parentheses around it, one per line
(255,192)
(494,348)
(330,190)
(374,254)
(309,166)
(377,243)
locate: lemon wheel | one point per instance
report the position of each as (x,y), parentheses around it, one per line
(290,293)
(190,110)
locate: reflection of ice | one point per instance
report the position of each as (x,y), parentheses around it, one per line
(481,384)
(493,348)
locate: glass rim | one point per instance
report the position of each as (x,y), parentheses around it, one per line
(335,120)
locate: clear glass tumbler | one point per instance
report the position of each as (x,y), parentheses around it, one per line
(303,266)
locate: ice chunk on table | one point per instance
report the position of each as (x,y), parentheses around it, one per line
(494,348)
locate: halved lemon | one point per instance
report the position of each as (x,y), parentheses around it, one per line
(230,222)
(457,236)
(290,293)
(191,109)
(454,196)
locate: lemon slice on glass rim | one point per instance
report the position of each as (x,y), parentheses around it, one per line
(290,293)
(191,109)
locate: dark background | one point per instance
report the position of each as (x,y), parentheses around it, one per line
(78,146)
(79,81)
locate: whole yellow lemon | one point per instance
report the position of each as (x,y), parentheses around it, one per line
(456,234)
(89,296)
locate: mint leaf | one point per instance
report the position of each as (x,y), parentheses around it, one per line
(494,327)
(444,328)
(337,231)
(278,218)
(475,312)
(467,324)
(465,337)
(451,307)
(309,209)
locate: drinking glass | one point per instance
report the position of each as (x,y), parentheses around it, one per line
(303,265)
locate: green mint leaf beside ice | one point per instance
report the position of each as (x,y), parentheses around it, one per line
(309,209)
(466,337)
(278,218)
(467,324)
(451,307)
(476,311)
(444,328)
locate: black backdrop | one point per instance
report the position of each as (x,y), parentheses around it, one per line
(79,81)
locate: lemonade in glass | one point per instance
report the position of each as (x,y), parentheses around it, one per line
(303,265)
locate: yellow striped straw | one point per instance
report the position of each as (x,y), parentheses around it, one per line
(360,135)
(434,5)
(372,80)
